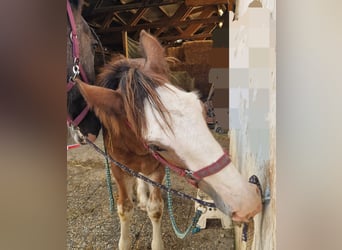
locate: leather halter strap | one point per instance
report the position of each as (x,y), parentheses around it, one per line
(192,177)
(76,56)
(195,177)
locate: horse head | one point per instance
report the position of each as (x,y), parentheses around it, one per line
(171,122)
(86,124)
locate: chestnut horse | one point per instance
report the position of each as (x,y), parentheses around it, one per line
(139,109)
(81,44)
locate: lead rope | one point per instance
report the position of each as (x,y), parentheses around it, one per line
(109,183)
(198,214)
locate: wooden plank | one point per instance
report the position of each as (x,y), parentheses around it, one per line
(204,2)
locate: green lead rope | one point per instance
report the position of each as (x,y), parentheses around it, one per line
(109,184)
(170,210)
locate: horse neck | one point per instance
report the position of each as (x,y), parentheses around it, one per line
(124,141)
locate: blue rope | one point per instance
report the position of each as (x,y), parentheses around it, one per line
(192,226)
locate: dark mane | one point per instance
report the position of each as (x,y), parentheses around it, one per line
(136,84)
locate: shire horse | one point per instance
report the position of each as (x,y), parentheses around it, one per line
(81,43)
(141,111)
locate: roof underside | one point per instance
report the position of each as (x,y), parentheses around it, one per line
(171,21)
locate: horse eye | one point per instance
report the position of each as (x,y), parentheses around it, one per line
(156,148)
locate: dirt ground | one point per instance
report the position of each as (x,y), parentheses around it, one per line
(91,225)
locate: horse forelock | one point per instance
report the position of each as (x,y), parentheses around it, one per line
(136,85)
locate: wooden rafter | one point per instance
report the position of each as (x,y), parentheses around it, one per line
(108,20)
(121,20)
(98,3)
(137,16)
(185,37)
(207,13)
(132,6)
(182,19)
(204,2)
(180,31)
(181,14)
(163,23)
(210,28)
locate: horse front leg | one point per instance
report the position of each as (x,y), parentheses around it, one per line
(125,209)
(142,189)
(155,206)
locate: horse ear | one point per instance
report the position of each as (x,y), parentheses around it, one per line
(102,100)
(153,53)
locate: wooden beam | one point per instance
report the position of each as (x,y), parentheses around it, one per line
(136,18)
(98,3)
(207,12)
(125,43)
(210,28)
(204,2)
(132,6)
(160,24)
(108,20)
(116,15)
(181,14)
(180,31)
(231,5)
(185,37)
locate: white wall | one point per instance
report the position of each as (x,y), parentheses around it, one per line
(242,6)
(252,110)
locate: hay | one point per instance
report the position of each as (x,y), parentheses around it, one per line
(200,72)
(197,52)
(183,79)
(133,48)
(177,52)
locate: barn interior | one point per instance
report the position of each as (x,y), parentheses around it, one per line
(195,32)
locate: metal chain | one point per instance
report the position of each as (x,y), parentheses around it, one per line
(198,214)
(149,181)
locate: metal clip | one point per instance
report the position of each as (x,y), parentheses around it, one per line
(76,71)
(189,174)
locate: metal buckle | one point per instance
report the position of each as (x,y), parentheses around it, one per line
(72,36)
